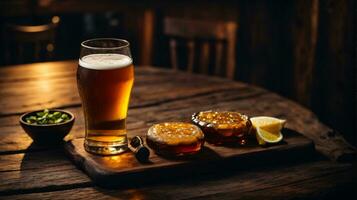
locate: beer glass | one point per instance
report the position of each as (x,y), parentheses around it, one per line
(105,77)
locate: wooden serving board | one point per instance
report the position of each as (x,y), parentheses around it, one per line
(124,169)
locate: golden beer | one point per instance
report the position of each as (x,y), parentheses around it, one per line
(104,82)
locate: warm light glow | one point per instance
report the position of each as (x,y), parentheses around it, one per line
(56,19)
(136,195)
(44,3)
(48,86)
(123,160)
(32,29)
(44,87)
(50,47)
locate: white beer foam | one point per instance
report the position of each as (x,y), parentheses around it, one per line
(105,61)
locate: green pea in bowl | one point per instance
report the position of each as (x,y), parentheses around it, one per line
(47,126)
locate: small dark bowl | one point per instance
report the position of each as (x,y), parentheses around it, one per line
(47,133)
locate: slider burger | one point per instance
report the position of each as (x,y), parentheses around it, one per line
(175,138)
(223,127)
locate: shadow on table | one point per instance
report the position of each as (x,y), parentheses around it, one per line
(36,153)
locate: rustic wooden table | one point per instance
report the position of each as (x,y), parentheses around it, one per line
(29,171)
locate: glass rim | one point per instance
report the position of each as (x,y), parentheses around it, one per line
(125,45)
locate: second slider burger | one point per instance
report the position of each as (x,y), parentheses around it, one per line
(223,127)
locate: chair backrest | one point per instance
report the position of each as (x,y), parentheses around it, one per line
(29,43)
(222,34)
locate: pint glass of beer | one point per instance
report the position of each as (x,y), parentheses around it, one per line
(105,77)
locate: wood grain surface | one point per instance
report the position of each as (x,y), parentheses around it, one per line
(30,171)
(111,171)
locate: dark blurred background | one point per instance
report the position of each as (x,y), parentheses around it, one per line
(304,50)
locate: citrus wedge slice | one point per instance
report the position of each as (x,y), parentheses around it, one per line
(270,124)
(264,136)
(268,129)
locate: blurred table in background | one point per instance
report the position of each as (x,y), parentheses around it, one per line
(29,171)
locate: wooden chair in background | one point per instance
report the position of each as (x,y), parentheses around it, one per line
(30,43)
(222,34)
